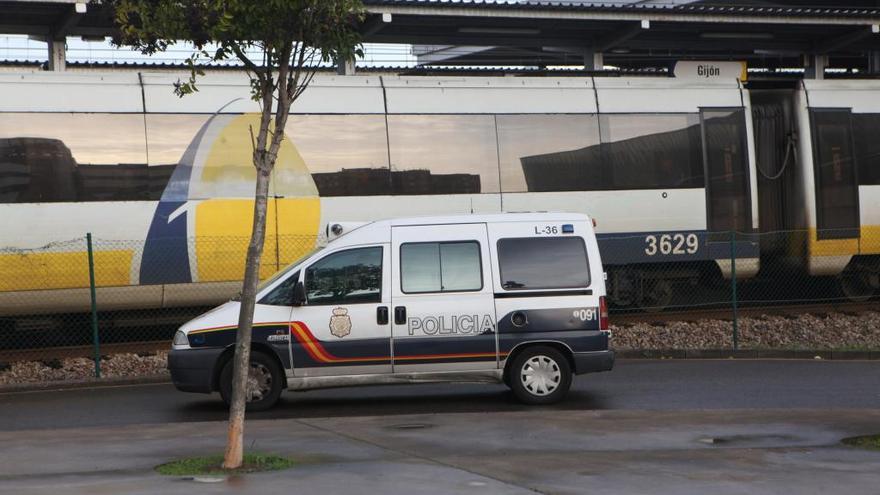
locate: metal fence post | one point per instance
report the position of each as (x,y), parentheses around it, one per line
(733,292)
(95,338)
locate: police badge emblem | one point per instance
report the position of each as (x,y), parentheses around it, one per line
(340,323)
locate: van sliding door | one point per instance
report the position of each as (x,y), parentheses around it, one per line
(837,186)
(725,157)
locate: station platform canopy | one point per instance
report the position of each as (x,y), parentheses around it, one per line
(637,35)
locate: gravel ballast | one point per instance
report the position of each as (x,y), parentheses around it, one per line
(837,331)
(114,366)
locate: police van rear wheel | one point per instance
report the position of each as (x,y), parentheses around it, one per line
(540,375)
(264,382)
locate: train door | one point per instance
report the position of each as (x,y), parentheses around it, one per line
(776,165)
(725,157)
(837,186)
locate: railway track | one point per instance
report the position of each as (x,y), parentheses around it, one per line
(616,318)
(745,311)
(52,353)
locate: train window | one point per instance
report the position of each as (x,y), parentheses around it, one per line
(837,192)
(51,157)
(728,195)
(866,134)
(652,151)
(347,155)
(443,154)
(549,153)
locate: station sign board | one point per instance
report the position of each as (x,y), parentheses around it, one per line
(702,70)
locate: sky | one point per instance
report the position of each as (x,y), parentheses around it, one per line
(23,48)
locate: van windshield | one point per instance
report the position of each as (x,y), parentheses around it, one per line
(281,273)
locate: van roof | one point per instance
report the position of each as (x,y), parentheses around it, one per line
(489,218)
(353,231)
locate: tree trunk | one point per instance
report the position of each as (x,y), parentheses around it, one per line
(241,360)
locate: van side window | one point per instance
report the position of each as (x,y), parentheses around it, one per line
(440,267)
(353,276)
(282,295)
(543,263)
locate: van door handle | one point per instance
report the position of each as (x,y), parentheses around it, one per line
(400,315)
(382,315)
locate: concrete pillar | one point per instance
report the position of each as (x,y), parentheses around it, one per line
(593,60)
(814,66)
(345,68)
(874,62)
(57,54)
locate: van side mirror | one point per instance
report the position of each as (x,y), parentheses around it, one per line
(299,294)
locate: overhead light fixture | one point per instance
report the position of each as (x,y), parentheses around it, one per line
(737,36)
(80,8)
(491,30)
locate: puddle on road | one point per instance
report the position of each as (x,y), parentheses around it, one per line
(757,440)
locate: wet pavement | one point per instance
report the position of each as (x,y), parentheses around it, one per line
(633,385)
(535,451)
(652,427)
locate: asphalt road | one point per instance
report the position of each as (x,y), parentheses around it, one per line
(633,385)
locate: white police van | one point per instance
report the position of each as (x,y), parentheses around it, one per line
(517,298)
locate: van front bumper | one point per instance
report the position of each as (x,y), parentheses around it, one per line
(192,370)
(593,362)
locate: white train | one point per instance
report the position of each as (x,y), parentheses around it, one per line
(668,169)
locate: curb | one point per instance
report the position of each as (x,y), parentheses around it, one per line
(85,383)
(746,354)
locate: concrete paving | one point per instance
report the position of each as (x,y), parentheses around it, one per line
(533,451)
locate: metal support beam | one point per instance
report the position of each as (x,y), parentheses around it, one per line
(835,44)
(56,41)
(345,67)
(874,62)
(375,23)
(480,10)
(68,21)
(57,54)
(614,39)
(593,60)
(814,66)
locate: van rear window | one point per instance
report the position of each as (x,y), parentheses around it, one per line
(543,263)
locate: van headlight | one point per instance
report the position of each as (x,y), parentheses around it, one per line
(180,339)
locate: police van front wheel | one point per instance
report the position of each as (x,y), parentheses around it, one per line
(539,375)
(263,384)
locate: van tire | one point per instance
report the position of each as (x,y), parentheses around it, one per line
(265,368)
(552,368)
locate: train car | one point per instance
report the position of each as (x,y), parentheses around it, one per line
(164,184)
(818,163)
(840,180)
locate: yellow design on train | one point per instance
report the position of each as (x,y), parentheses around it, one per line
(223,226)
(63,270)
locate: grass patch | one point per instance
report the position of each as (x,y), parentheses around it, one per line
(213,464)
(870,442)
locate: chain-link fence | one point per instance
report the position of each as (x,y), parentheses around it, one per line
(791,290)
(684,290)
(92,297)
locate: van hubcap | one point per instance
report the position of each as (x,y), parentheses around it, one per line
(259,382)
(540,375)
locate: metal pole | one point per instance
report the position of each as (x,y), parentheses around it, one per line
(733,284)
(95,339)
